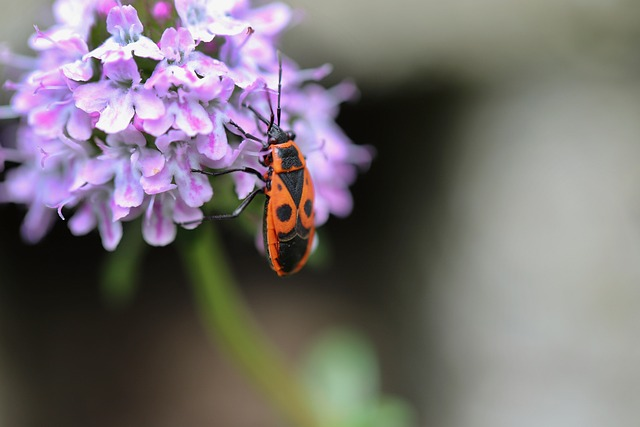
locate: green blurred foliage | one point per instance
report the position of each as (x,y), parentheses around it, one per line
(121,269)
(343,378)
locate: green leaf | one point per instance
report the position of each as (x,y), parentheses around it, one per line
(341,371)
(389,412)
(342,374)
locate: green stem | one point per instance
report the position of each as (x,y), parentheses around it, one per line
(230,323)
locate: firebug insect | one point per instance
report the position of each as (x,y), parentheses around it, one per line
(288,221)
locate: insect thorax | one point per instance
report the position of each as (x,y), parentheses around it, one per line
(286,157)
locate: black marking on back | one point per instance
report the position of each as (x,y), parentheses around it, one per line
(298,230)
(294,181)
(308,207)
(285,237)
(283,212)
(290,157)
(301,230)
(291,253)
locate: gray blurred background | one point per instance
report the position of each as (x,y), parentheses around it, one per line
(493,255)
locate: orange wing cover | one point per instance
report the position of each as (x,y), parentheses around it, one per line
(289,221)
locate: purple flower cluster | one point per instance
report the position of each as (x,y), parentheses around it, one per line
(114,122)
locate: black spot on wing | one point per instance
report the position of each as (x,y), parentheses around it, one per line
(283,212)
(308,207)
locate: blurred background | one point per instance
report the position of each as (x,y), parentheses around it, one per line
(492,258)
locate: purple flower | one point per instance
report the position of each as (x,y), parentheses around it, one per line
(248,54)
(181,157)
(126,38)
(65,49)
(115,133)
(118,97)
(207,19)
(187,81)
(45,96)
(79,16)
(161,11)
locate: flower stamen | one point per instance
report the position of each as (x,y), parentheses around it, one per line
(248,35)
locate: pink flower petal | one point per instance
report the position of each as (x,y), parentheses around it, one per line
(167,140)
(159,183)
(79,70)
(183,213)
(130,136)
(161,11)
(194,188)
(93,97)
(127,192)
(192,118)
(146,48)
(123,20)
(158,228)
(147,104)
(37,222)
(214,145)
(245,183)
(124,72)
(160,126)
(48,122)
(110,230)
(119,212)
(151,162)
(83,220)
(97,171)
(79,125)
(270,19)
(117,114)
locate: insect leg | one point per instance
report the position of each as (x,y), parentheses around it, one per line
(237,211)
(232,215)
(245,134)
(224,172)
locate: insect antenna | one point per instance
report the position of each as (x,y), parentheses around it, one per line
(258,115)
(279,110)
(273,121)
(270,109)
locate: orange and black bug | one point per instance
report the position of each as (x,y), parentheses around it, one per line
(288,223)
